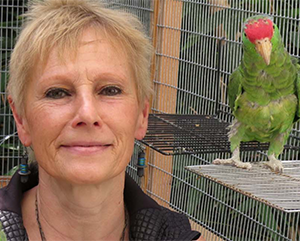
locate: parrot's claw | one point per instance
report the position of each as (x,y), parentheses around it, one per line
(232,161)
(274,164)
(244,165)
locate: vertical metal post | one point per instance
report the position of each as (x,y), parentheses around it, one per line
(220,41)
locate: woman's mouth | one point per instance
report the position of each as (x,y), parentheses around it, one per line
(85,148)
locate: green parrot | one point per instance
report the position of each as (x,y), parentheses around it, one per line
(263,93)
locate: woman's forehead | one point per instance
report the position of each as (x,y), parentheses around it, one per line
(91,43)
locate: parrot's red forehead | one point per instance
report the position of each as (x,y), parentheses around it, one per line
(257,29)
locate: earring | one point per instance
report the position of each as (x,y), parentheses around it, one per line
(24,171)
(141,163)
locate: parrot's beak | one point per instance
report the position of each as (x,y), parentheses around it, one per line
(264,48)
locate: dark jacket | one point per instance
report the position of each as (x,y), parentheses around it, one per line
(148,220)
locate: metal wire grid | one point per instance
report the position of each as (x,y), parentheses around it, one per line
(232,215)
(186,134)
(141,8)
(10,146)
(186,83)
(173,134)
(281,191)
(224,213)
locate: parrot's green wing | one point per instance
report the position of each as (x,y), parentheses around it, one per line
(295,61)
(234,88)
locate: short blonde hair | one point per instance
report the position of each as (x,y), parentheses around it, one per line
(60,23)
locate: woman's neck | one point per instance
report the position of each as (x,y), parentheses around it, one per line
(76,212)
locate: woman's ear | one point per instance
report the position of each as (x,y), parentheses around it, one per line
(142,124)
(21,123)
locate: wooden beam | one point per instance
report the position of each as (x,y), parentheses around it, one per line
(165,72)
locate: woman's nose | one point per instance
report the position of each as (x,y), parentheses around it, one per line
(87,112)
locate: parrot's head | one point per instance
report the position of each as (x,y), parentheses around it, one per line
(259,30)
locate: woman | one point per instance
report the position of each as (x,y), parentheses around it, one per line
(79,90)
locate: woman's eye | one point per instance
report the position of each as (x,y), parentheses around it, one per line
(57,93)
(111,91)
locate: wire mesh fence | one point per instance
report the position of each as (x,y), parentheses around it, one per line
(190,76)
(189,80)
(10,146)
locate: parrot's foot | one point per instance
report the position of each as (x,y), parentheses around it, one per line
(274,164)
(233,161)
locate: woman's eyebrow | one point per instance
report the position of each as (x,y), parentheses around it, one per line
(56,76)
(107,76)
(69,75)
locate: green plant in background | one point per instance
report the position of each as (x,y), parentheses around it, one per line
(2,234)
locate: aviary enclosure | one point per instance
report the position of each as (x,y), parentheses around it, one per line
(197,46)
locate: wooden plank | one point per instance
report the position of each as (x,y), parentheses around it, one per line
(167,44)
(153,67)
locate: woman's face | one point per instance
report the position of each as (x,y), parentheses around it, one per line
(82,115)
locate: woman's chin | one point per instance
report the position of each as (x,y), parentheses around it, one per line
(84,170)
(82,173)
(87,175)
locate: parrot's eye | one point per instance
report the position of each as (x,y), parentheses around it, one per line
(245,34)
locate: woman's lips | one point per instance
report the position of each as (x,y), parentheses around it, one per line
(85,148)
